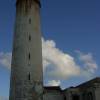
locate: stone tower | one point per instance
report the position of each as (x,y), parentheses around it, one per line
(26,69)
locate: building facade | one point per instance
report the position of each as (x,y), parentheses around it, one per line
(26,69)
(52,93)
(86,91)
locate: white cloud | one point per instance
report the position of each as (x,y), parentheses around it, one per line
(89,63)
(53,83)
(3,98)
(58,65)
(5,59)
(62,64)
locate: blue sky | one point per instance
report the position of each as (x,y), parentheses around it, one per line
(73,25)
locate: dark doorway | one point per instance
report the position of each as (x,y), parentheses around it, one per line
(64,97)
(90,96)
(75,97)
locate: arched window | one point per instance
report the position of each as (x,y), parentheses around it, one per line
(84,96)
(90,96)
(75,97)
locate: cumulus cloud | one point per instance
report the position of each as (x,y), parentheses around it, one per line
(61,65)
(3,98)
(5,59)
(88,61)
(58,65)
(53,83)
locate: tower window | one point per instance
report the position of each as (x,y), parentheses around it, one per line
(29,77)
(29,38)
(29,56)
(30,21)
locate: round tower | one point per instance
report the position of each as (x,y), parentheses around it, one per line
(26,69)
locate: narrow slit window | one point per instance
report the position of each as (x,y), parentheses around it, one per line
(29,37)
(30,21)
(29,76)
(29,56)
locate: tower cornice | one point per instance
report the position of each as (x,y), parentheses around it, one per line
(37,1)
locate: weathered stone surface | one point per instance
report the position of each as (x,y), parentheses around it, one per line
(26,67)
